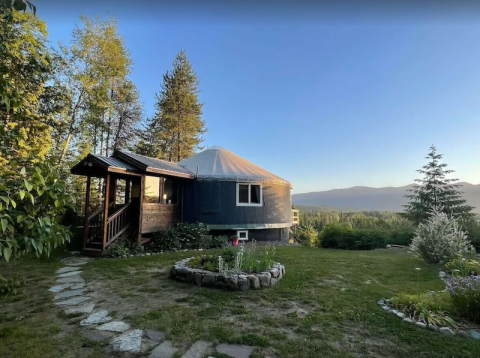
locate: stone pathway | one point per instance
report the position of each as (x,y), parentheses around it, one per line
(71,295)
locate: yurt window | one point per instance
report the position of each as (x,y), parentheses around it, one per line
(249,194)
(242,235)
(152,189)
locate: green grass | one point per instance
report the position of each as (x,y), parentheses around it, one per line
(337,290)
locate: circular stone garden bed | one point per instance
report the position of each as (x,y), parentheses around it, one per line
(185,270)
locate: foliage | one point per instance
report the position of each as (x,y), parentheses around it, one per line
(220,242)
(10,286)
(429,308)
(32,201)
(461,266)
(465,295)
(339,236)
(235,260)
(436,192)
(394,227)
(440,239)
(182,236)
(472,228)
(176,130)
(120,250)
(307,235)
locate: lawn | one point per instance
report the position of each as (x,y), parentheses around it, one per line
(324,307)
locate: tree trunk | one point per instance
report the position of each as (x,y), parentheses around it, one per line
(70,129)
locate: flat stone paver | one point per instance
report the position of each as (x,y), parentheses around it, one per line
(72,279)
(198,349)
(155,336)
(115,326)
(164,350)
(128,342)
(59,288)
(69,293)
(73,301)
(70,274)
(75,261)
(87,308)
(77,286)
(96,318)
(67,269)
(235,350)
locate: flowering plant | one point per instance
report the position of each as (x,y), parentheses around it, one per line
(440,239)
(465,295)
(461,266)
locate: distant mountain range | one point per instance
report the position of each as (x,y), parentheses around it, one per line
(360,198)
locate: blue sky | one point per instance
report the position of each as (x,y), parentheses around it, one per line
(323,101)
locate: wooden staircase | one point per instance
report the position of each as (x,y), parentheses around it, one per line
(101,233)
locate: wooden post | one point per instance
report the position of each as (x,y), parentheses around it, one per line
(105,215)
(87,203)
(142,193)
(128,182)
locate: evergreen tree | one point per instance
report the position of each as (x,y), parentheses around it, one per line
(178,126)
(436,192)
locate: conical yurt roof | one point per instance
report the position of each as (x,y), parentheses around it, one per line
(221,164)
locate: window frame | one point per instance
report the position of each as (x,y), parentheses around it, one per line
(238,235)
(249,194)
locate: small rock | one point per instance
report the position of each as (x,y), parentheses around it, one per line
(446,331)
(401,315)
(115,326)
(155,336)
(220,285)
(474,334)
(393,311)
(70,293)
(442,274)
(208,280)
(388,246)
(59,288)
(408,320)
(148,254)
(381,302)
(67,269)
(87,308)
(70,274)
(72,279)
(164,350)
(235,350)
(198,350)
(197,278)
(462,333)
(264,280)
(189,276)
(421,325)
(243,284)
(385,308)
(128,342)
(95,318)
(275,273)
(273,281)
(232,283)
(254,282)
(432,327)
(73,301)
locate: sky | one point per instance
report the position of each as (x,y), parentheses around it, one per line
(323,97)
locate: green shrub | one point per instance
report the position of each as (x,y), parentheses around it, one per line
(182,236)
(399,236)
(220,242)
(461,266)
(465,295)
(338,236)
(307,235)
(120,250)
(10,286)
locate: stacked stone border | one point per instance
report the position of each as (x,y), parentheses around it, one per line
(243,282)
(386,306)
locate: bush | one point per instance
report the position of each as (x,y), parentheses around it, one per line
(10,286)
(440,239)
(182,236)
(307,235)
(338,236)
(465,295)
(463,267)
(400,236)
(220,242)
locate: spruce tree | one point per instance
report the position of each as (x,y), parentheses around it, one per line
(436,191)
(178,124)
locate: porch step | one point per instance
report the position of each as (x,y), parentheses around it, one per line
(95,244)
(92,252)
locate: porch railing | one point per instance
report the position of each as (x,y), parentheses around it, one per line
(118,223)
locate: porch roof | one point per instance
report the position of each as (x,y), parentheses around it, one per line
(95,165)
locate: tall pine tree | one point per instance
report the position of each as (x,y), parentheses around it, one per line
(178,126)
(434,190)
